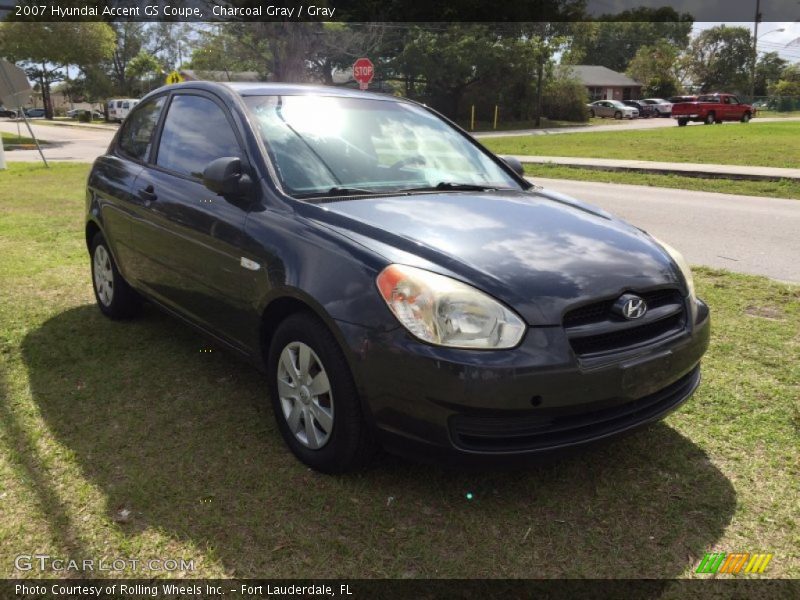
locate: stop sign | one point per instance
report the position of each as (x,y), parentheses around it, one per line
(363,72)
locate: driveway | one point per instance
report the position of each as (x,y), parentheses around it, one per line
(67,143)
(757,236)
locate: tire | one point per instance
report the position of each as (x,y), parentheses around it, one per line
(746,117)
(618,115)
(682,122)
(710,119)
(591,114)
(328,432)
(115,298)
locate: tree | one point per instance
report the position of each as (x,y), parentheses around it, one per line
(614,40)
(653,66)
(788,88)
(48,47)
(768,72)
(144,65)
(719,59)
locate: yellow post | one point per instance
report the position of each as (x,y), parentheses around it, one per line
(472,119)
(495,116)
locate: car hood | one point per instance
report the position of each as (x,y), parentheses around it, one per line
(539,252)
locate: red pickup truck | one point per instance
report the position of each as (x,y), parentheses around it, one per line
(712,108)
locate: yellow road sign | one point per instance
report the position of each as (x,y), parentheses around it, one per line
(174,77)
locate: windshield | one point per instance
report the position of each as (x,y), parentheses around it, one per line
(323,145)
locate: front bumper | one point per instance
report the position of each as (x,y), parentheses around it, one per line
(453,405)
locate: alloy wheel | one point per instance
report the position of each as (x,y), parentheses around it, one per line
(305,395)
(103,276)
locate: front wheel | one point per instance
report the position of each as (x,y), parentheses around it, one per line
(591,114)
(682,122)
(114,296)
(618,115)
(314,397)
(746,117)
(709,120)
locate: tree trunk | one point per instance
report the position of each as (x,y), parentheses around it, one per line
(539,77)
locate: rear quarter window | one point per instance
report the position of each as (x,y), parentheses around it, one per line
(136,134)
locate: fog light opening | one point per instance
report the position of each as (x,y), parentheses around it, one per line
(536,401)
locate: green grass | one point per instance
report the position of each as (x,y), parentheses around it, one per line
(12,139)
(765,144)
(786,188)
(98,416)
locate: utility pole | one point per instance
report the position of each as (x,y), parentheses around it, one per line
(754,58)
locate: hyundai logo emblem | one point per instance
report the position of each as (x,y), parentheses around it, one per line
(630,306)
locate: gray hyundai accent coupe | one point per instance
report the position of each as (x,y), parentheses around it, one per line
(400,286)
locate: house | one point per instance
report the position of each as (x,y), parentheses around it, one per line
(604,84)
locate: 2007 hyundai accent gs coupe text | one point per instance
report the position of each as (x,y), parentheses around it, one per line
(400,285)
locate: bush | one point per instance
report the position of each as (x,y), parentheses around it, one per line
(564,99)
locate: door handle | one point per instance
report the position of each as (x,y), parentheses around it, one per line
(148,194)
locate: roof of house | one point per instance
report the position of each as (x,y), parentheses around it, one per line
(595,75)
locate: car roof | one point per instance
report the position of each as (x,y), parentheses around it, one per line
(285,89)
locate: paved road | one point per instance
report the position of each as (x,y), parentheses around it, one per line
(757,236)
(66,143)
(654,123)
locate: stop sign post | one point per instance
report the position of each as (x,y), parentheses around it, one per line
(363,72)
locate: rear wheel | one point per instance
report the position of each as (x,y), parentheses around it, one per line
(314,397)
(710,118)
(746,117)
(114,296)
(682,122)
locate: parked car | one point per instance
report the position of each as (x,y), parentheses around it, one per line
(399,284)
(645,110)
(7,113)
(663,107)
(611,108)
(119,108)
(713,108)
(34,113)
(75,112)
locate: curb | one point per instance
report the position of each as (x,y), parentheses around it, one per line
(676,170)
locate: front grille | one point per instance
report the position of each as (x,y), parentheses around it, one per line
(636,336)
(540,431)
(600,310)
(594,329)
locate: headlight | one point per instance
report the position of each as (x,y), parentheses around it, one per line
(682,264)
(442,311)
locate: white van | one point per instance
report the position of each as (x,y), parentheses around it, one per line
(118,108)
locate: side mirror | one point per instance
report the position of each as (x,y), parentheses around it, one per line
(515,165)
(224,177)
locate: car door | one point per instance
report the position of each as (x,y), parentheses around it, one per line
(733,109)
(112,183)
(190,238)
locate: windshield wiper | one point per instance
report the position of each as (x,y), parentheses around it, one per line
(337,191)
(450,185)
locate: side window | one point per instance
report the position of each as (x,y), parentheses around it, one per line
(137,132)
(196,131)
(733,100)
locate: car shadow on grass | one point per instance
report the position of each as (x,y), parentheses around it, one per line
(181,434)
